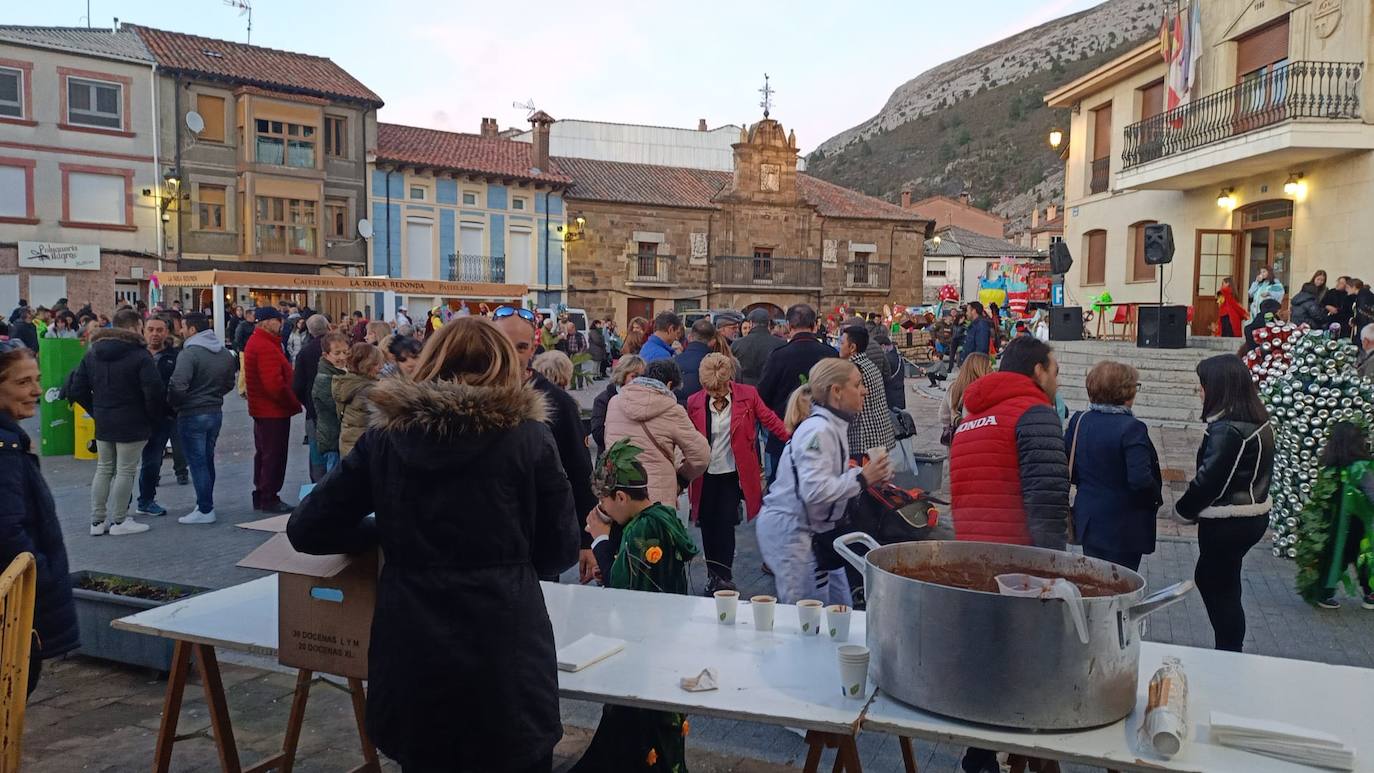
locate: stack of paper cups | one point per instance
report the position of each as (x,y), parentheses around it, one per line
(853,670)
(1166,709)
(809,616)
(763,611)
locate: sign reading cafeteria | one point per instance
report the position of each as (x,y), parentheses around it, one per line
(78,257)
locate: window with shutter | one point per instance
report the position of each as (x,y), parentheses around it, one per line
(1095,268)
(1140,270)
(211,109)
(1100,171)
(1262,48)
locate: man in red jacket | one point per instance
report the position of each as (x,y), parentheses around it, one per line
(1009,476)
(271,403)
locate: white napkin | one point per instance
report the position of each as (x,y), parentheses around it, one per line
(708,679)
(588,650)
(1282,740)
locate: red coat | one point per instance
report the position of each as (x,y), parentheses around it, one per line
(747,412)
(267,378)
(1230,308)
(1009,478)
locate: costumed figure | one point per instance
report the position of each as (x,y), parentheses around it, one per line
(1230,314)
(992,291)
(1335,526)
(948,292)
(654,552)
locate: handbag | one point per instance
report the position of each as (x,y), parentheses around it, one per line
(947,434)
(903,425)
(1073,447)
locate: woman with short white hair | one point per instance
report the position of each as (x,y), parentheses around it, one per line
(813,486)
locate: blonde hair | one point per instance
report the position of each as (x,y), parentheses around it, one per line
(470,350)
(626,368)
(554,366)
(379,330)
(384,346)
(975,367)
(798,407)
(363,359)
(716,371)
(827,374)
(1112,383)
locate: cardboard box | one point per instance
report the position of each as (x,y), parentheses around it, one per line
(324,606)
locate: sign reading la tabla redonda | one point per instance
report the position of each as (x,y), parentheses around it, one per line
(56,255)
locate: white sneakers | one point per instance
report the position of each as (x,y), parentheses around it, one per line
(99,529)
(125,527)
(196,516)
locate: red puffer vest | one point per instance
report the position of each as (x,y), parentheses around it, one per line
(984,464)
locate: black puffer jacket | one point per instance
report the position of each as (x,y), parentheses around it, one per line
(28,524)
(1235,465)
(1306,308)
(119,386)
(471,507)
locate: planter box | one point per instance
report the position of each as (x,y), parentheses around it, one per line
(95,610)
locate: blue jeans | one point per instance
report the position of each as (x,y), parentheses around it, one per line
(331,460)
(198,436)
(151,468)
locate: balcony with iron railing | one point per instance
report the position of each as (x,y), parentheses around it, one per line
(766,272)
(1101,175)
(475,268)
(868,276)
(651,270)
(1303,107)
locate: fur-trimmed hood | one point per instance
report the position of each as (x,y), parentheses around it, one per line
(443,419)
(112,343)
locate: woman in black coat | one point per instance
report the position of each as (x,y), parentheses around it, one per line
(1116,468)
(28,519)
(472,506)
(1228,498)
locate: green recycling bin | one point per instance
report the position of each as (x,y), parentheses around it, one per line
(57,358)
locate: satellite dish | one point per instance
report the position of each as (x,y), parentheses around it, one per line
(365,229)
(194,122)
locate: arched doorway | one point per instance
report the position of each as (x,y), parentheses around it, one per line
(1266,239)
(774,311)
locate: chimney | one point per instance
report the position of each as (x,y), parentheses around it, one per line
(1035,217)
(963,198)
(1051,212)
(539,149)
(906,198)
(701,125)
(490,130)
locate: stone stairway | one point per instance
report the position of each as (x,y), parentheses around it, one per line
(1169,394)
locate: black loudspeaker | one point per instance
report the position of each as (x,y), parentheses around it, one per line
(1066,323)
(1060,259)
(1162,327)
(1159,244)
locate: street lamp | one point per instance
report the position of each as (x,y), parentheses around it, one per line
(1295,185)
(936,242)
(1226,199)
(1056,138)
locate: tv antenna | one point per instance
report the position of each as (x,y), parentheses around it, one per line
(245,7)
(527,106)
(767,91)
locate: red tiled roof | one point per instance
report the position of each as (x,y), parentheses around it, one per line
(1057,224)
(461,152)
(241,63)
(671,186)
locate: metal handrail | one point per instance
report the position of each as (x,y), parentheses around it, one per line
(766,271)
(868,276)
(650,269)
(1327,90)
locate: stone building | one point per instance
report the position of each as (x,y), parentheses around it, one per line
(645,238)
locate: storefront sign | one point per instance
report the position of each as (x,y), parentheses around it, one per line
(54,255)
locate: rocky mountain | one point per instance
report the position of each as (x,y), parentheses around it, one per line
(978,122)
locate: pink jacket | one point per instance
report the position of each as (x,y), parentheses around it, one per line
(652,419)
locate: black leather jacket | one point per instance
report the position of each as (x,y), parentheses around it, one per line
(1234,468)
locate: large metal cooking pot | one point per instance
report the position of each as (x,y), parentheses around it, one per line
(1003,660)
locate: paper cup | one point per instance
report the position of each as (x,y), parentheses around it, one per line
(853,659)
(809,616)
(837,622)
(764,606)
(727,602)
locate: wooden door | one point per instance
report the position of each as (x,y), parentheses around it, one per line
(638,307)
(1216,259)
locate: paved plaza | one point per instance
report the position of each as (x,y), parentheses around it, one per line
(93,716)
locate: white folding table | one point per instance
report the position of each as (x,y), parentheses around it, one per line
(1334,699)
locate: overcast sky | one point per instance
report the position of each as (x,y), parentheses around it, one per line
(447,63)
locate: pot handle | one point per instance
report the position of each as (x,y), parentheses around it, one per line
(843,541)
(1159,600)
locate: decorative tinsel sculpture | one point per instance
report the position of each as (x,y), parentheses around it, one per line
(1316,387)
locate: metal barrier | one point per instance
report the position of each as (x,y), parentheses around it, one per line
(17,585)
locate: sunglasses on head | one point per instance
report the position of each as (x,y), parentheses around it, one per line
(10,345)
(514,311)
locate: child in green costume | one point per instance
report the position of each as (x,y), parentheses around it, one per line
(1335,527)
(654,552)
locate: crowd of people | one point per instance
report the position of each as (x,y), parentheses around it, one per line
(457,448)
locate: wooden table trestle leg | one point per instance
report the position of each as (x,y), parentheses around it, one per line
(846,752)
(220,725)
(171,706)
(371,764)
(908,755)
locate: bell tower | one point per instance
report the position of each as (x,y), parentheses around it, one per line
(765,160)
